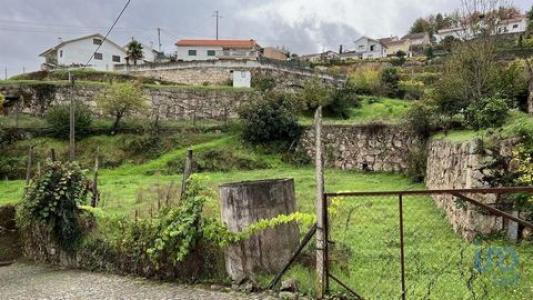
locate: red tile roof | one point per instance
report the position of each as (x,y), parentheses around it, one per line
(233,44)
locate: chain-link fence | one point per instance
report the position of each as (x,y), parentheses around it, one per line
(403,245)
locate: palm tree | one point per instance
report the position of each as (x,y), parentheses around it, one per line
(135,51)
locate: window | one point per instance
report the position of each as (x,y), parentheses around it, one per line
(116,58)
(97,41)
(372,47)
(60,53)
(515,26)
(361,46)
(192,52)
(210,52)
(98,56)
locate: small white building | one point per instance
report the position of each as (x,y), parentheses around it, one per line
(516,25)
(76,53)
(242,79)
(190,50)
(369,48)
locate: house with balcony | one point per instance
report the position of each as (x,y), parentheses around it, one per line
(367,48)
(76,53)
(190,50)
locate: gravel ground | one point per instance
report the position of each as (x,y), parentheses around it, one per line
(31,281)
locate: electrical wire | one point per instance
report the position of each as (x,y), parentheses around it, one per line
(109,31)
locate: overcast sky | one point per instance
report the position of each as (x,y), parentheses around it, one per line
(28,27)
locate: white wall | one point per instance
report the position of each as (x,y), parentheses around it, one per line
(79,52)
(513,27)
(201,53)
(242,79)
(364,46)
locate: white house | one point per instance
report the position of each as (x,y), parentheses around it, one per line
(516,25)
(149,54)
(76,53)
(189,50)
(369,48)
(316,57)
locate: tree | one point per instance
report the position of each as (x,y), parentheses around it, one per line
(121,99)
(135,51)
(420,25)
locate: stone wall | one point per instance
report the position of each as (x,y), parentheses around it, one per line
(372,147)
(174,103)
(220,72)
(452,165)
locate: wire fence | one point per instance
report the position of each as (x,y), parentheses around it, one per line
(404,247)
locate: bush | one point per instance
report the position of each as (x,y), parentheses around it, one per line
(487,113)
(53,200)
(263,82)
(411,90)
(389,82)
(120,100)
(271,119)
(419,118)
(366,80)
(58,119)
(342,100)
(313,94)
(416,163)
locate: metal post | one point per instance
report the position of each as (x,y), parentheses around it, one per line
(187,171)
(402,263)
(72,132)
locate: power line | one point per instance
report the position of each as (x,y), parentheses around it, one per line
(109,31)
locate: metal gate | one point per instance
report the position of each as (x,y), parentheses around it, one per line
(400,244)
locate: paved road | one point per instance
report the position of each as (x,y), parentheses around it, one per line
(30,281)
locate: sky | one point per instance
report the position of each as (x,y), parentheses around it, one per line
(28,27)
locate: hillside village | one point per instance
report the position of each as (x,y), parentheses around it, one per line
(393,167)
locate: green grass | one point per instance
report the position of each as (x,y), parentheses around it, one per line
(373,109)
(365,230)
(517,124)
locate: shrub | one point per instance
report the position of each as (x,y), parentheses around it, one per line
(2,99)
(270,119)
(366,80)
(487,113)
(416,163)
(263,82)
(313,94)
(342,100)
(513,85)
(411,90)
(58,119)
(419,118)
(389,82)
(53,200)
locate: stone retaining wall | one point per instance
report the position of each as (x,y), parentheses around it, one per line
(372,147)
(452,165)
(174,103)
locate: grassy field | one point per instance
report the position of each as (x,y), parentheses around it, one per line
(373,109)
(439,264)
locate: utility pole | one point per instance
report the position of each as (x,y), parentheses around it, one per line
(72,133)
(218,17)
(159,38)
(5,73)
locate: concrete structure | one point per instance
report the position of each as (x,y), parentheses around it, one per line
(393,47)
(509,26)
(190,50)
(420,39)
(245,203)
(242,79)
(316,57)
(516,25)
(274,53)
(369,48)
(76,53)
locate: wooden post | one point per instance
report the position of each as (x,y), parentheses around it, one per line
(187,170)
(52,154)
(96,194)
(72,119)
(39,169)
(28,168)
(321,213)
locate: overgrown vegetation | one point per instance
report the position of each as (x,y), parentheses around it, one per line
(58,120)
(120,100)
(52,200)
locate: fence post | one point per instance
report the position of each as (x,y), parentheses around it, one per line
(187,170)
(402,263)
(96,194)
(28,167)
(321,209)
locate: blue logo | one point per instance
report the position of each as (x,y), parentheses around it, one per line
(501,263)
